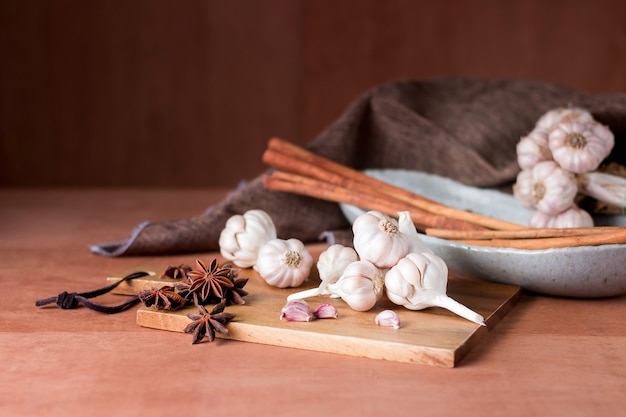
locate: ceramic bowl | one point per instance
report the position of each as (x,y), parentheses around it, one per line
(582,272)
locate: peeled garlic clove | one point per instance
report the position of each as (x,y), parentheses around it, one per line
(388,318)
(325,311)
(296,310)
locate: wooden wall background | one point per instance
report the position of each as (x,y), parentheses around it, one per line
(186,93)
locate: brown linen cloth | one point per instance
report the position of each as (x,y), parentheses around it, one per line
(464,129)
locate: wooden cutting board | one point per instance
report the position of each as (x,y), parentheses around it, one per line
(431,337)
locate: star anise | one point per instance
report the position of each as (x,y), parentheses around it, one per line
(164,298)
(236,293)
(176,272)
(207,284)
(208,323)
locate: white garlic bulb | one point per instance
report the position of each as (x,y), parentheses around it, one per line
(360,285)
(284,263)
(552,118)
(533,148)
(419,281)
(580,147)
(572,217)
(546,187)
(377,239)
(243,236)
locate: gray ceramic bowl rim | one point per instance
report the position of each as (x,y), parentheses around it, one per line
(584,271)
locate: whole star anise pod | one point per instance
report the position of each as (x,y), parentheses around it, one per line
(208,323)
(207,284)
(164,298)
(176,271)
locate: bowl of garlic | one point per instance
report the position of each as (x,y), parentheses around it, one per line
(581,271)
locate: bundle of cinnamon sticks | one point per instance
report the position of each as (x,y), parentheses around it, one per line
(303,172)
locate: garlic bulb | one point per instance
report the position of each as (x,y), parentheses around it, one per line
(419,281)
(552,118)
(360,285)
(580,147)
(243,236)
(546,187)
(572,217)
(532,149)
(378,240)
(330,265)
(284,263)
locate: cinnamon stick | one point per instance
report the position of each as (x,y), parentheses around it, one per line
(517,234)
(284,155)
(606,238)
(298,184)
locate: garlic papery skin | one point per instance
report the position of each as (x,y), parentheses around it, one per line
(532,149)
(377,239)
(360,285)
(580,147)
(419,281)
(387,318)
(243,236)
(284,263)
(552,118)
(407,227)
(297,310)
(610,189)
(330,265)
(546,187)
(572,217)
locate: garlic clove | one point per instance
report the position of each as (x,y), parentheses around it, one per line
(296,310)
(388,318)
(325,311)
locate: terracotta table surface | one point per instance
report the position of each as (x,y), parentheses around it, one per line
(549,356)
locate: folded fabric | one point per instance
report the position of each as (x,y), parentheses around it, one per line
(464,129)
